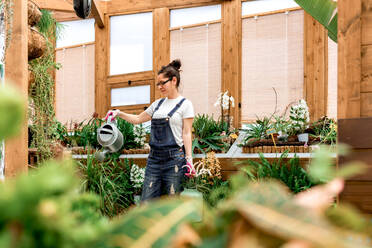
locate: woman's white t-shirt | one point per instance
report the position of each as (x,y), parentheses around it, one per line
(176,122)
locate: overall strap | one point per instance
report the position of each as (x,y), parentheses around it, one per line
(176,108)
(157,107)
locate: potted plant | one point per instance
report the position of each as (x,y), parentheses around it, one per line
(281,126)
(299,117)
(137,176)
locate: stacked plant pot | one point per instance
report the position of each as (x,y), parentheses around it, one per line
(36,41)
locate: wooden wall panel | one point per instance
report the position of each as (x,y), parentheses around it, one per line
(366,83)
(366,22)
(349,58)
(315,67)
(365,104)
(123,6)
(101,67)
(231,36)
(360,194)
(161,44)
(355,95)
(16,73)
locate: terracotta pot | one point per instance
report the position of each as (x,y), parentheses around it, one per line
(34,13)
(36,44)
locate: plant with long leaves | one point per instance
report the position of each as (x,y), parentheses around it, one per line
(111,181)
(208,134)
(290,173)
(325,12)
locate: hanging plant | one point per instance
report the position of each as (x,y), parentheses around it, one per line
(42,91)
(6,12)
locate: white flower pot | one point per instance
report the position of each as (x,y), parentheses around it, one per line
(137,199)
(304,137)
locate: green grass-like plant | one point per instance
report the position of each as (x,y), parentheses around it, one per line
(290,173)
(111,181)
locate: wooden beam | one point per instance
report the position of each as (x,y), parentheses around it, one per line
(63,16)
(315,67)
(161,44)
(232,54)
(16,73)
(98,14)
(101,67)
(349,58)
(124,6)
(63,5)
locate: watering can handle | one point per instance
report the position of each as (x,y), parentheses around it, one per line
(108,117)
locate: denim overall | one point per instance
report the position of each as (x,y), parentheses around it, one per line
(164,171)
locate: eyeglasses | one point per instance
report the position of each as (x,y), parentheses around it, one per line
(162,83)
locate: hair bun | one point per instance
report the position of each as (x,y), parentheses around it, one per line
(176,64)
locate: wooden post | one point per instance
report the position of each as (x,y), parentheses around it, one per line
(161,43)
(355,95)
(101,67)
(315,67)
(349,58)
(232,53)
(16,73)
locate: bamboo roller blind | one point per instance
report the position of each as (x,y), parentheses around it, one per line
(332,79)
(199,49)
(75,84)
(272,57)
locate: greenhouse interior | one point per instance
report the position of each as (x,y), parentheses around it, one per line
(185,123)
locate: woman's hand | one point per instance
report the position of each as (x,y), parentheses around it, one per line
(190,167)
(112,114)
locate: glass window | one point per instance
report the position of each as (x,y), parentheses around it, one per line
(272,64)
(189,16)
(130,43)
(260,6)
(76,32)
(130,96)
(199,49)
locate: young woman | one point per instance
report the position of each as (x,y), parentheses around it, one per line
(171,133)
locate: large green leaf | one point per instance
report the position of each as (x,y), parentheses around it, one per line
(269,207)
(155,224)
(325,12)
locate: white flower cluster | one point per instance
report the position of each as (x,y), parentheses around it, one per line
(137,176)
(139,134)
(299,115)
(225,99)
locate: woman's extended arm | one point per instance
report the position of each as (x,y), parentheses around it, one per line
(187,136)
(134,119)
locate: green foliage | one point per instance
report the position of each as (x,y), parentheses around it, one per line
(127,129)
(12,111)
(42,92)
(257,130)
(88,133)
(48,25)
(111,181)
(325,12)
(154,225)
(208,134)
(60,132)
(44,209)
(6,7)
(290,173)
(325,130)
(323,168)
